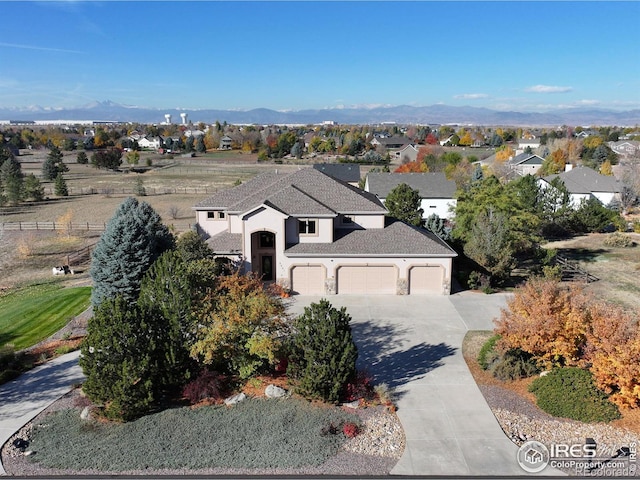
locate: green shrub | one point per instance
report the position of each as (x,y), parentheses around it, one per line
(508,365)
(513,365)
(570,392)
(323,357)
(618,240)
(64,349)
(11,363)
(487,349)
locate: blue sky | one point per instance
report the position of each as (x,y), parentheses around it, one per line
(524,56)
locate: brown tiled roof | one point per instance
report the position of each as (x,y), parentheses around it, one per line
(397,239)
(320,192)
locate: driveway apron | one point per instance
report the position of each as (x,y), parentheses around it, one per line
(413,344)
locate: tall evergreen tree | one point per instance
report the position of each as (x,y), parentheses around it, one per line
(61,186)
(134,238)
(118,359)
(32,188)
(166,291)
(11,180)
(53,164)
(323,353)
(403,203)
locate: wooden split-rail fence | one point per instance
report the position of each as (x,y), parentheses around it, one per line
(74,226)
(572,272)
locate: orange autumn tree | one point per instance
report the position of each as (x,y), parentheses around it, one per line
(412,167)
(613,350)
(546,320)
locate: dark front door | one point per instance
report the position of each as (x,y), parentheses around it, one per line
(266,267)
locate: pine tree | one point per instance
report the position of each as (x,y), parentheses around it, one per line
(117,358)
(53,164)
(134,238)
(11,180)
(82,158)
(167,291)
(32,188)
(324,354)
(61,189)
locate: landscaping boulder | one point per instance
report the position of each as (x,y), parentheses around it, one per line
(86,413)
(240,397)
(273,391)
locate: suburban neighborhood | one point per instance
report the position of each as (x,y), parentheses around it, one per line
(377,225)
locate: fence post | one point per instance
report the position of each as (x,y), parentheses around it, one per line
(36,225)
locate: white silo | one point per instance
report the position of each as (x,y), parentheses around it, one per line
(183,116)
(167,118)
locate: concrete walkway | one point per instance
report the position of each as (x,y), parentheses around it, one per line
(413,344)
(26,396)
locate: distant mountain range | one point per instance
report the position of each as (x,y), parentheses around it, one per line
(402,114)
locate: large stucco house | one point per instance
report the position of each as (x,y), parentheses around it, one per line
(316,235)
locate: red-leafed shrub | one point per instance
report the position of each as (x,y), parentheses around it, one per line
(359,388)
(208,385)
(350,430)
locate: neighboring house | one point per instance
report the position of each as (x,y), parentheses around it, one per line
(525,163)
(436,192)
(584,183)
(225,143)
(391,143)
(409,153)
(318,236)
(150,142)
(523,144)
(345,172)
(627,148)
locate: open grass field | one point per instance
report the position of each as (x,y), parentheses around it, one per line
(32,314)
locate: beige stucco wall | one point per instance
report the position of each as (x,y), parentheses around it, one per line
(212,226)
(331,265)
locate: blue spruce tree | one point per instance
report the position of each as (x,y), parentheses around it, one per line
(134,238)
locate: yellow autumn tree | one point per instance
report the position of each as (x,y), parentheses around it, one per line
(241,326)
(606,169)
(546,320)
(504,153)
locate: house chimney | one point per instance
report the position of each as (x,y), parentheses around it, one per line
(568,167)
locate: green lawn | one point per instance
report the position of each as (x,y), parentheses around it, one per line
(33,313)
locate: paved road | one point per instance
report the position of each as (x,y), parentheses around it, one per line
(413,343)
(25,397)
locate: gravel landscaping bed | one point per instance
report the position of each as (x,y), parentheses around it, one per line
(522,421)
(375,451)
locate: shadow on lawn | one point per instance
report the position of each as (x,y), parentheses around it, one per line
(380,352)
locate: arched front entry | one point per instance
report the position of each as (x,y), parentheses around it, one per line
(263,255)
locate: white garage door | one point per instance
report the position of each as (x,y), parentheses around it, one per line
(367,279)
(427,279)
(307,280)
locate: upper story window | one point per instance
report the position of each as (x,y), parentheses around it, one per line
(216,215)
(307,227)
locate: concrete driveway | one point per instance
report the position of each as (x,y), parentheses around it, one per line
(25,397)
(413,343)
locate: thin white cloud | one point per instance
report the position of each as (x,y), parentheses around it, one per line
(35,47)
(548,89)
(471,96)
